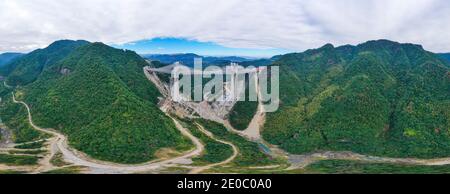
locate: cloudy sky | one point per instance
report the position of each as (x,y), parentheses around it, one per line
(182,45)
(293,25)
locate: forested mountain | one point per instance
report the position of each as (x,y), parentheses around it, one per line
(445,57)
(6,58)
(98,96)
(380,98)
(28,68)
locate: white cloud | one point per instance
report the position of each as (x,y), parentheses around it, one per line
(288,24)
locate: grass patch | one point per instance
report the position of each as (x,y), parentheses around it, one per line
(30,152)
(18,160)
(34,145)
(66,170)
(356,167)
(11,172)
(248,170)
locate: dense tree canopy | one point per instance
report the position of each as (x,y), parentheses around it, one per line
(100,98)
(380,97)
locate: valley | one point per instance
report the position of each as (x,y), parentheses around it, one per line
(136,127)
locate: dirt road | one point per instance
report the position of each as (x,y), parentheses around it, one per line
(59,142)
(230,159)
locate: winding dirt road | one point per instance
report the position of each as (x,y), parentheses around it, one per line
(59,142)
(230,159)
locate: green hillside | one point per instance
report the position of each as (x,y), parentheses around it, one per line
(445,57)
(100,98)
(380,98)
(242,114)
(6,58)
(15,117)
(28,68)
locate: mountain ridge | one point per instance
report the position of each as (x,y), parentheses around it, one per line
(100,98)
(364,99)
(27,68)
(6,58)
